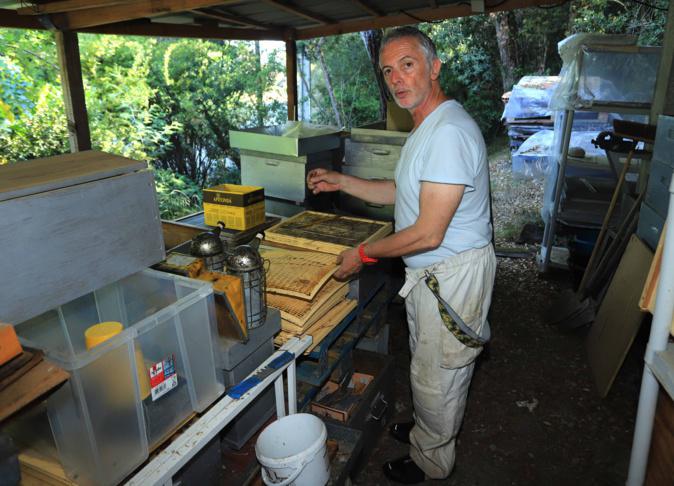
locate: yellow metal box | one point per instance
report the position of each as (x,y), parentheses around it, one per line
(238,207)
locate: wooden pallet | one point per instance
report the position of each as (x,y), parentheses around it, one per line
(297,273)
(327,233)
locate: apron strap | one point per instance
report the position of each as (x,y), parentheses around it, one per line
(451,319)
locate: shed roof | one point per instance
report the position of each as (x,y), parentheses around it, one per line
(240,19)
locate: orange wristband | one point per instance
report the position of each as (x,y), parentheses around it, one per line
(363,257)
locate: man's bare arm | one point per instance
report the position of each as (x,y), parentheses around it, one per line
(372,191)
(437,205)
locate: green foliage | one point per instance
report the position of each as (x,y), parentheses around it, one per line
(612,17)
(355,89)
(467,50)
(204,89)
(177,195)
(32,121)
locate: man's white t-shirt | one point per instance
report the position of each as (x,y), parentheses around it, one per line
(446,148)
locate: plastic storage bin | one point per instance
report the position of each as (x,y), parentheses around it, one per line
(126,395)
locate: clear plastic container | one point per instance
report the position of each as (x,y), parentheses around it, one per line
(126,395)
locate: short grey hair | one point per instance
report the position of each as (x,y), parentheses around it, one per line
(425,42)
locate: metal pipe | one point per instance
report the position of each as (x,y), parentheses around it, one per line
(657,341)
(549,233)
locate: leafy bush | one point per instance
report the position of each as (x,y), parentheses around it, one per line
(176,194)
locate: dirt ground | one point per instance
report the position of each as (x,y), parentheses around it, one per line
(533,415)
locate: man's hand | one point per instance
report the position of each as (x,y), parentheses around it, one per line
(322,180)
(349,264)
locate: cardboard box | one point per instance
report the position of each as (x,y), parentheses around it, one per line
(338,404)
(238,207)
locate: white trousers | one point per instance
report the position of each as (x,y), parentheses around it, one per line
(441,367)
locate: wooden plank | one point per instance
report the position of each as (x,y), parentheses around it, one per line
(39,470)
(72,86)
(177,233)
(39,380)
(300,12)
(398,19)
(67,6)
(660,470)
(92,17)
(143,27)
(300,311)
(46,174)
(325,232)
(297,273)
(323,326)
(367,8)
(15,369)
(647,299)
(12,20)
(60,245)
(291,78)
(619,316)
(237,19)
(231,287)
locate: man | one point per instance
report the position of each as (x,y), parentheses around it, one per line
(442,229)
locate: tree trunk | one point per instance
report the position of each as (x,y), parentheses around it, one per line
(328,82)
(258,94)
(505,38)
(372,41)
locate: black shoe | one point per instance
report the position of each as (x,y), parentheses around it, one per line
(401,431)
(404,470)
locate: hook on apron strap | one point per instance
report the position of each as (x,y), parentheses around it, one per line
(452,320)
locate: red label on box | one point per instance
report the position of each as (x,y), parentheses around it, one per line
(163,377)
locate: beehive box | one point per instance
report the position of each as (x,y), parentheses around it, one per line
(70,224)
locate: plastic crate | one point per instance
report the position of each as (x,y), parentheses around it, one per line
(108,416)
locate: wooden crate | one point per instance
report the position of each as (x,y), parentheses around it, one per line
(71,224)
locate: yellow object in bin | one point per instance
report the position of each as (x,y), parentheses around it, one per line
(101,332)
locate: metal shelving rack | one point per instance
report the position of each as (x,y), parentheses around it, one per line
(576,102)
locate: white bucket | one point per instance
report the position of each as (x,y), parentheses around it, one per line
(292,450)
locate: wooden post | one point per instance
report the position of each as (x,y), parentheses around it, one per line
(73,91)
(664,85)
(291,77)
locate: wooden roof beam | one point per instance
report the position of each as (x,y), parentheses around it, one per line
(218,16)
(237,19)
(66,6)
(188,31)
(408,17)
(367,8)
(301,12)
(92,17)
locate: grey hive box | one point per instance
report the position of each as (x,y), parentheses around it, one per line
(294,139)
(71,224)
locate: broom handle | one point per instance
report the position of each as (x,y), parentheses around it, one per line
(604,226)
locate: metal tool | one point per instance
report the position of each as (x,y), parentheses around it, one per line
(239,390)
(245,261)
(210,248)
